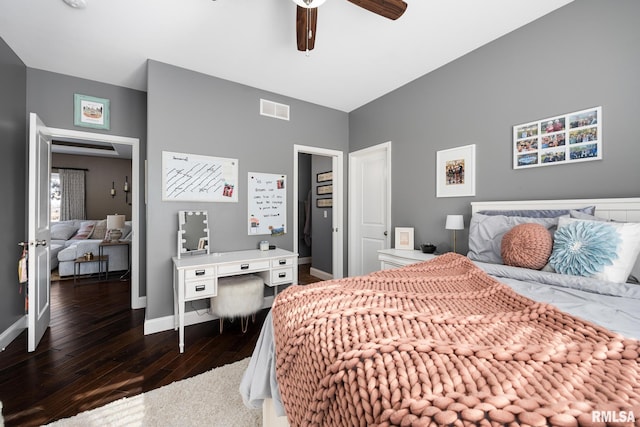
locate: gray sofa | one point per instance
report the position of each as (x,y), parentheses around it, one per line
(72,239)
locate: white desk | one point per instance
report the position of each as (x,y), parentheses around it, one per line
(196,277)
(394,258)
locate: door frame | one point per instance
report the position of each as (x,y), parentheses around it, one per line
(354,232)
(137,301)
(337,158)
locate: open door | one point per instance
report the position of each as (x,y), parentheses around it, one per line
(39,270)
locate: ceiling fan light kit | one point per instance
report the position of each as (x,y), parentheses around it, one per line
(308,4)
(76,4)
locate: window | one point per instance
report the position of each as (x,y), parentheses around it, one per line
(55,197)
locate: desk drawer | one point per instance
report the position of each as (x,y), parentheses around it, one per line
(281,275)
(243,267)
(199,273)
(282,262)
(204,288)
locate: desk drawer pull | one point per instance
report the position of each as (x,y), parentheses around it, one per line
(244,267)
(200,272)
(281,275)
(282,261)
(200,288)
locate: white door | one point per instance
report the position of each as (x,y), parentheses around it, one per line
(370,207)
(39,270)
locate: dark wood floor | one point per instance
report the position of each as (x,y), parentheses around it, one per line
(96,352)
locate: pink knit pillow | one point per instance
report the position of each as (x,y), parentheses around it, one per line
(527,245)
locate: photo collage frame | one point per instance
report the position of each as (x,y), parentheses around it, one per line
(569,138)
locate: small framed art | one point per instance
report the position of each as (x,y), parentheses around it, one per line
(324,203)
(404,238)
(91,112)
(324,176)
(456,172)
(324,189)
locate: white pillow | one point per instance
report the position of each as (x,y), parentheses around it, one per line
(627,252)
(62,231)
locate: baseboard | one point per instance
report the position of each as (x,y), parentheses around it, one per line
(161,324)
(304,260)
(140,302)
(320,274)
(12,332)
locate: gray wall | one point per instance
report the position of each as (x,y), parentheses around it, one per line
(583,55)
(321,234)
(190,112)
(13,163)
(50,95)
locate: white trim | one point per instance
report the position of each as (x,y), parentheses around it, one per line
(304,260)
(620,209)
(320,274)
(166,323)
(353,238)
(12,332)
(137,301)
(338,202)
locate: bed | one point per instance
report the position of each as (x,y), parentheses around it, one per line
(467,340)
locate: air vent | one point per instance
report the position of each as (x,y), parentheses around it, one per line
(274,109)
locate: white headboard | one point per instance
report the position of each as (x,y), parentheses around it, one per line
(624,209)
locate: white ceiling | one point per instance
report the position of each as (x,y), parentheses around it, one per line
(358,57)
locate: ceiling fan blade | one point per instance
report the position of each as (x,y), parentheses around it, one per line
(306,20)
(392,9)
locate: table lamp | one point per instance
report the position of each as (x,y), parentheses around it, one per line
(454,222)
(115,224)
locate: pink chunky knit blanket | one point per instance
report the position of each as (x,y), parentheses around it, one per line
(443,343)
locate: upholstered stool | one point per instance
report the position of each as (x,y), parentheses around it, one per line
(238,296)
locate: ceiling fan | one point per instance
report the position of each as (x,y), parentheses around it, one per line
(307,17)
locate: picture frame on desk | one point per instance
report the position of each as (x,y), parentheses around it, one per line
(404,238)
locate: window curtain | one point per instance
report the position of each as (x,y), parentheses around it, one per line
(72,194)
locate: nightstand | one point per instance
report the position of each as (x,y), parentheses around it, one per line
(394,258)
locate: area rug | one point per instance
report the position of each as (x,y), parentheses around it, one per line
(209,399)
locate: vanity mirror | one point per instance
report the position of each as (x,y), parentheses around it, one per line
(193,233)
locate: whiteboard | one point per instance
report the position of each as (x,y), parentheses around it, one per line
(195,178)
(267,203)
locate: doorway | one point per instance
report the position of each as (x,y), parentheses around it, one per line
(331,206)
(137,300)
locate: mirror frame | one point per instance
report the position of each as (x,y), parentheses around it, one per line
(182,220)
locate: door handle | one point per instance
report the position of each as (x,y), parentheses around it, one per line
(40,243)
(385,232)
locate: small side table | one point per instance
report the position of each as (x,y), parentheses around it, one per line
(99,259)
(103,244)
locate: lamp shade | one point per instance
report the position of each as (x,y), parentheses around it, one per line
(454,222)
(115,221)
(308,4)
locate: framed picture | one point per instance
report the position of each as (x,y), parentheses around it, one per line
(202,243)
(324,176)
(324,189)
(324,203)
(404,238)
(569,138)
(456,172)
(90,112)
